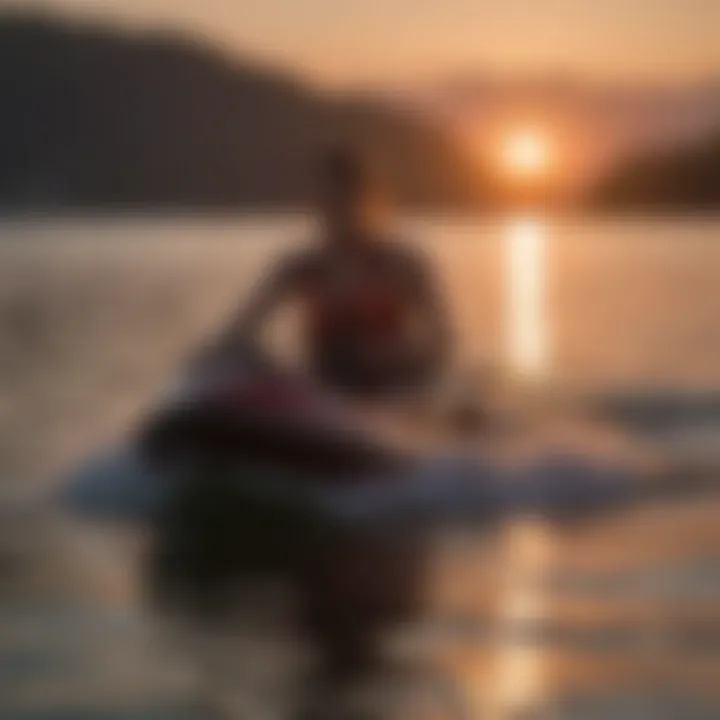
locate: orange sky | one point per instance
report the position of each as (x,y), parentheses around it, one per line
(349,41)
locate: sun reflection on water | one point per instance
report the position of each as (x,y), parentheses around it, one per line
(518,674)
(526,323)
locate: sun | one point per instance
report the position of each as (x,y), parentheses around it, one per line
(525,153)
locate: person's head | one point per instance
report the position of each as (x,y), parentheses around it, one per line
(350,194)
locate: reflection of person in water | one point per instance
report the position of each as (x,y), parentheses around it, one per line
(373,318)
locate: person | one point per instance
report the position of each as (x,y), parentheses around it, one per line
(373,317)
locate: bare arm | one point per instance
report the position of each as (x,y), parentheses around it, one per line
(274,289)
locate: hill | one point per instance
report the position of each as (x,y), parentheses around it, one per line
(93,117)
(683,178)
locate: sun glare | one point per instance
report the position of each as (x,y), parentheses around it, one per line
(526,153)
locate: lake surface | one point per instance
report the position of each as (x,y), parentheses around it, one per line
(96,314)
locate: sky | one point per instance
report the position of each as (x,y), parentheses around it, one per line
(388,41)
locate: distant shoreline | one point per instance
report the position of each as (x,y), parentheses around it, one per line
(275,212)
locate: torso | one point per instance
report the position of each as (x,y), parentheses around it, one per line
(357,305)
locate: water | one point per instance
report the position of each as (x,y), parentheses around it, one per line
(96,314)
